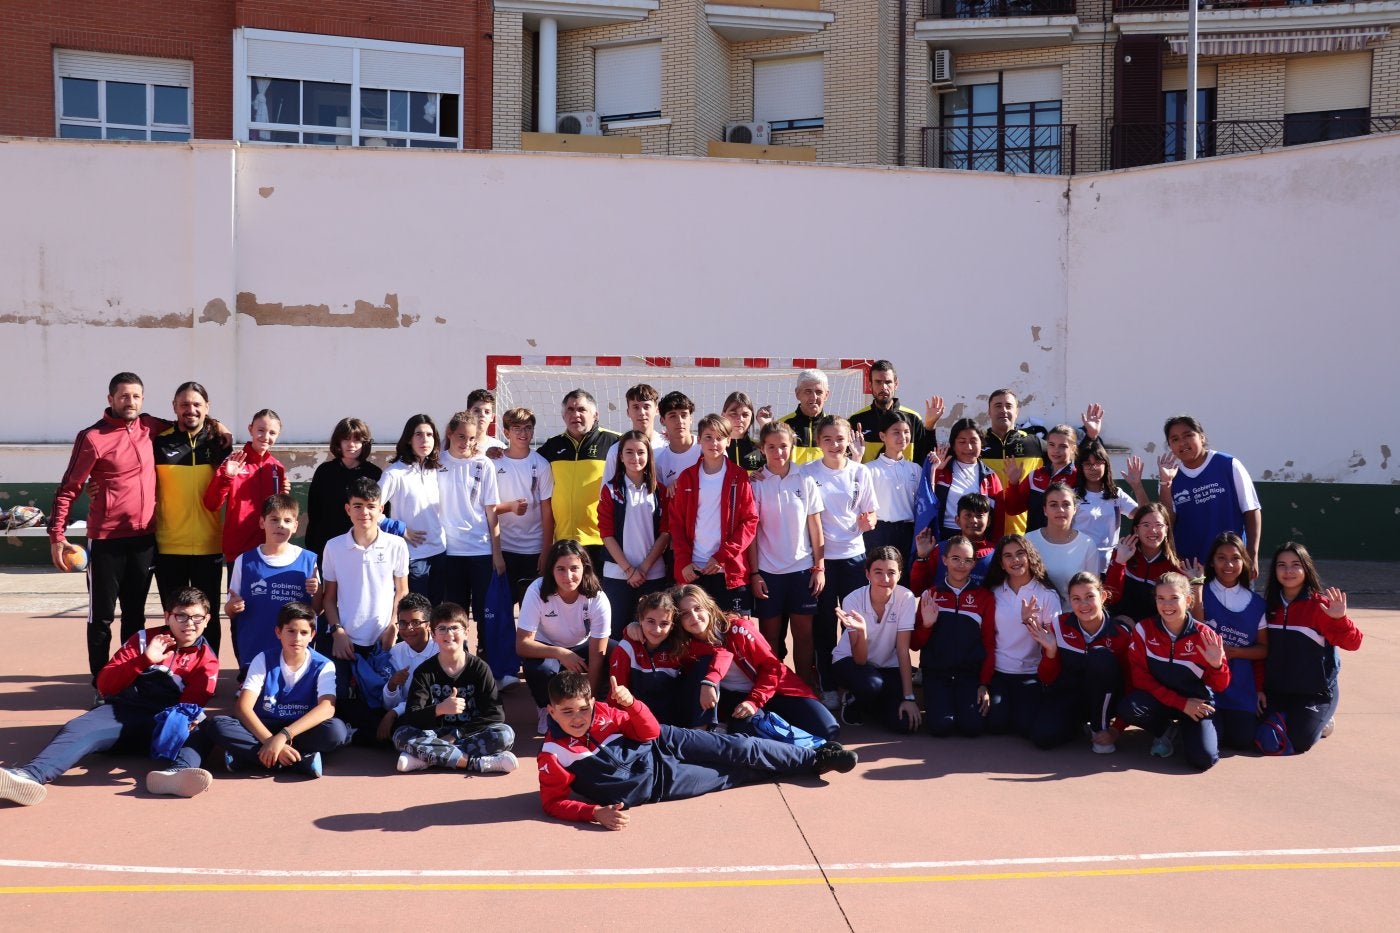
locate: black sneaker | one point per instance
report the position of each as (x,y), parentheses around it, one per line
(851,713)
(834,757)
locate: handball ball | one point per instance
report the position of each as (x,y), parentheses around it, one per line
(74,558)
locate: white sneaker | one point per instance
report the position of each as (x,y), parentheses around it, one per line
(831,700)
(510,680)
(1103,748)
(501,763)
(1329,728)
(18,787)
(409,763)
(179,782)
(542,727)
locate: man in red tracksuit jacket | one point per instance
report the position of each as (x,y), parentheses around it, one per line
(712,518)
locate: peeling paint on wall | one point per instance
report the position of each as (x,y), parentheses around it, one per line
(149,321)
(266,192)
(366,315)
(215,312)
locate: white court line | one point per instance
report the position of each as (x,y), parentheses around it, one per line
(691,870)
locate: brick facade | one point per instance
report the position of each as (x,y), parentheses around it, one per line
(201,31)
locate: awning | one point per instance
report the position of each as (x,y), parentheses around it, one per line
(1283,43)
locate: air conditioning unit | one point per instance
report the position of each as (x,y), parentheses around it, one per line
(579,123)
(757,134)
(941,67)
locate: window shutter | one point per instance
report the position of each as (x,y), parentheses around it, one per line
(271,58)
(788,89)
(136,69)
(1174,79)
(627,79)
(1329,82)
(1028,85)
(411,71)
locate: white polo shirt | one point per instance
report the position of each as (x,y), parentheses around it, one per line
(564,625)
(896,482)
(364,579)
(783,504)
(881,631)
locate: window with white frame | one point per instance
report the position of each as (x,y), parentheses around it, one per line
(101,96)
(342,91)
(787,92)
(627,81)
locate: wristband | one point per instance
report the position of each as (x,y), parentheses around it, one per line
(909,697)
(819,566)
(285,734)
(709,683)
(331,630)
(1198,581)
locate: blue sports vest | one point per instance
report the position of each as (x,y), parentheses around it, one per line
(1237,630)
(265,590)
(279,703)
(1206,506)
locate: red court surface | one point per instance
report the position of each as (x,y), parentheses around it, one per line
(923,834)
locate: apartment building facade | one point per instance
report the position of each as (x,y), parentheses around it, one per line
(373,73)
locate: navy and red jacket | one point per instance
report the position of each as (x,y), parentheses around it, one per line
(114,457)
(613,762)
(752,655)
(633,659)
(1301,638)
(1029,494)
(1174,670)
(1131,589)
(612,513)
(259,477)
(963,641)
(185,675)
(1103,657)
(988,484)
(929,571)
(738,516)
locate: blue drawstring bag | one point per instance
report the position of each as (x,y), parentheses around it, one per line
(172,729)
(772,726)
(499,627)
(372,672)
(1271,735)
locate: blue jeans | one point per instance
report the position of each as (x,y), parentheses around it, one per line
(1198,738)
(107,728)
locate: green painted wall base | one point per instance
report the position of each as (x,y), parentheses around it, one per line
(1336,521)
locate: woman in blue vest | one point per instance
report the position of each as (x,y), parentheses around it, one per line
(1207,492)
(1225,602)
(286,709)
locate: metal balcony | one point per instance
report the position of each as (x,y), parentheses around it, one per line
(1033,150)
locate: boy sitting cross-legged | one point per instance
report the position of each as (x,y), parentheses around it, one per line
(615,755)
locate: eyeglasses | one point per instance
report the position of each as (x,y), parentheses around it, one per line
(449,630)
(184,618)
(411,623)
(961,561)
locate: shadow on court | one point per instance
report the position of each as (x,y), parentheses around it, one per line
(491,811)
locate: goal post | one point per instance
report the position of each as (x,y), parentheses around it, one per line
(540,383)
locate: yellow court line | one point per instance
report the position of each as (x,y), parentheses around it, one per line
(653,885)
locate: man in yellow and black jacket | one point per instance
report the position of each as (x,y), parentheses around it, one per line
(188,546)
(576,460)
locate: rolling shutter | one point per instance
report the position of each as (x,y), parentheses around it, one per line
(98,66)
(1327,82)
(788,89)
(1174,79)
(1028,85)
(273,58)
(627,79)
(411,71)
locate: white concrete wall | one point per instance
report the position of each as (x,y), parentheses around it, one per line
(135,257)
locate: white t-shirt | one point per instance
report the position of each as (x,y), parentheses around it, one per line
(708,523)
(638,535)
(257,675)
(882,631)
(285,559)
(528,478)
(670,465)
(783,504)
(468,489)
(564,625)
(1017,652)
(846,493)
(658,441)
(896,482)
(1063,561)
(1101,519)
(488,442)
(402,655)
(416,500)
(364,579)
(964,481)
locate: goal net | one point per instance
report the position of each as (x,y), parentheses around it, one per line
(540,384)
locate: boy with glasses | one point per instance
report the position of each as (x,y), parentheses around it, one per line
(415,645)
(155,669)
(453,717)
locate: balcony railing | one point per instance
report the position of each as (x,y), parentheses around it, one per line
(986,9)
(1149,6)
(1034,150)
(1151,144)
